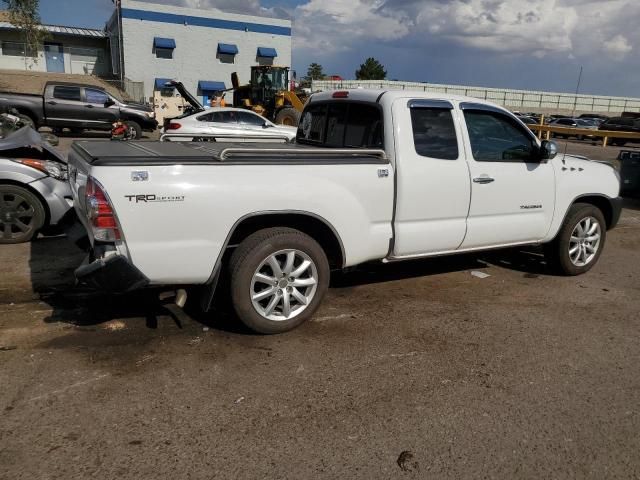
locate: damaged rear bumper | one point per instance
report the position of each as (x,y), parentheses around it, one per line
(114,274)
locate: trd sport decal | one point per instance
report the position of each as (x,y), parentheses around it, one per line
(151,198)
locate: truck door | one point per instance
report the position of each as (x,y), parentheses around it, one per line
(433,186)
(64,107)
(96,113)
(512,191)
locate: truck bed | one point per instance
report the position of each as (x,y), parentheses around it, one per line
(110,153)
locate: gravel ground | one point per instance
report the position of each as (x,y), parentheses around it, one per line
(411,370)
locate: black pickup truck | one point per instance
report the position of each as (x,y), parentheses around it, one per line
(79,107)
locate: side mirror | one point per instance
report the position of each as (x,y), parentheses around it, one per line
(109,102)
(548,150)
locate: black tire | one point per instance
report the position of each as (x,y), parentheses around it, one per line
(252,253)
(76,131)
(557,251)
(28,121)
(22,214)
(288,116)
(134,129)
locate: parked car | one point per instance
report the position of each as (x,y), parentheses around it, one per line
(527,120)
(79,107)
(597,116)
(573,123)
(34,192)
(375,176)
(227,121)
(629,173)
(621,124)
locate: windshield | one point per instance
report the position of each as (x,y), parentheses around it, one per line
(270,78)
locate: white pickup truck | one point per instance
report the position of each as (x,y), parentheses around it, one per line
(373,175)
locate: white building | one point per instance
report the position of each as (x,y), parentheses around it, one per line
(199,47)
(65,50)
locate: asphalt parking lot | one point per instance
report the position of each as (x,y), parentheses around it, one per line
(412,370)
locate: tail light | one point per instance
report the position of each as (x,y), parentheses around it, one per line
(102,218)
(173,126)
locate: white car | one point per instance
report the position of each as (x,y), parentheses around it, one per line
(239,123)
(373,175)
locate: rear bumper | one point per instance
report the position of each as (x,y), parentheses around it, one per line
(616,209)
(115,274)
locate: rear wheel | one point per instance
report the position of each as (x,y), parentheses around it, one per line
(278,279)
(580,241)
(21,214)
(135,131)
(288,116)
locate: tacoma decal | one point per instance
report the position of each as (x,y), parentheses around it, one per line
(530,207)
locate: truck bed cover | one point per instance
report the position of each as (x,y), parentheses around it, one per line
(116,153)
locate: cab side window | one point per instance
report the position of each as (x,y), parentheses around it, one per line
(495,137)
(95,96)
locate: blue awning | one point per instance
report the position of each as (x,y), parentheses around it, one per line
(210,86)
(228,48)
(267,52)
(159,42)
(161,83)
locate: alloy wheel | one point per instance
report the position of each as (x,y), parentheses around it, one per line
(284,285)
(585,241)
(16,216)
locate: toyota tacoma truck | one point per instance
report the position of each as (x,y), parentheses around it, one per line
(79,107)
(373,176)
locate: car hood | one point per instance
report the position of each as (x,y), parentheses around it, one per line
(28,137)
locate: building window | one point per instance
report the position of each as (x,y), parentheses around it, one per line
(226,52)
(226,58)
(164,52)
(17,49)
(164,47)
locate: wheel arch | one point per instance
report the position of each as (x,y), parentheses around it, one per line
(313,225)
(601,202)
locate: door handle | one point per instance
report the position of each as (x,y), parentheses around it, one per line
(483,180)
(52,102)
(89,106)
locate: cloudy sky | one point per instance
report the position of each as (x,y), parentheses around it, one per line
(533,44)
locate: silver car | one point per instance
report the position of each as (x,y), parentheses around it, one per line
(238,123)
(34,192)
(573,123)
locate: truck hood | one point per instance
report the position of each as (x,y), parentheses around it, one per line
(28,137)
(137,106)
(193,101)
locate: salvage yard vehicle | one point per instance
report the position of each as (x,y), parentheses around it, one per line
(79,107)
(34,192)
(225,121)
(621,124)
(573,123)
(374,176)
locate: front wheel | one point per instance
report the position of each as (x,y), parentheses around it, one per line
(278,279)
(21,214)
(580,241)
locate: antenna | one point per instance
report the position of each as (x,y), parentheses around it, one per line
(573,112)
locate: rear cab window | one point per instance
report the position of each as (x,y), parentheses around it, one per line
(341,125)
(434,131)
(66,93)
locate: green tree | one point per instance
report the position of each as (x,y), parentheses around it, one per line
(371,69)
(314,72)
(23,14)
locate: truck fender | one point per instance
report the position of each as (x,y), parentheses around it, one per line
(254,221)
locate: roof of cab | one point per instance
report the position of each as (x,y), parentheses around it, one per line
(387,96)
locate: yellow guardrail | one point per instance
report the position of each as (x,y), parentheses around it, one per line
(585,132)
